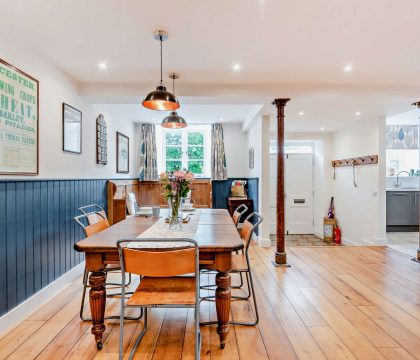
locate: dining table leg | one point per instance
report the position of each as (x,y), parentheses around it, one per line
(97,301)
(223,298)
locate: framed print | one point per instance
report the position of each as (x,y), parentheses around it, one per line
(123,155)
(251,158)
(101,142)
(19,109)
(72,129)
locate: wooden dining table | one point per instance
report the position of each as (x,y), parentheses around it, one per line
(217,238)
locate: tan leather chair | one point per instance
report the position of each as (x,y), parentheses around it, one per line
(92,223)
(237,214)
(240,265)
(161,264)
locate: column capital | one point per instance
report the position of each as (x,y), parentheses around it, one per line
(280,102)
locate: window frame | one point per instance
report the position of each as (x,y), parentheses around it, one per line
(205,129)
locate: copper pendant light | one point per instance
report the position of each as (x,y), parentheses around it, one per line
(161,99)
(173,120)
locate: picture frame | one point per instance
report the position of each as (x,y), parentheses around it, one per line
(19,132)
(123,153)
(101,141)
(251,158)
(72,129)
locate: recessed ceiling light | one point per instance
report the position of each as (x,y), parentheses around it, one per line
(301,113)
(357,113)
(102,65)
(348,68)
(322,129)
(237,67)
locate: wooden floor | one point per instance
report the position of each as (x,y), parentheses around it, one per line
(333,303)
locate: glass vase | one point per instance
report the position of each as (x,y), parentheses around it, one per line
(175,212)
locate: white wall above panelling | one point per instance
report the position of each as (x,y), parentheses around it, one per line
(56,88)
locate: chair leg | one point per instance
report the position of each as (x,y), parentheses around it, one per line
(136,344)
(251,292)
(121,331)
(112,317)
(257,317)
(197,345)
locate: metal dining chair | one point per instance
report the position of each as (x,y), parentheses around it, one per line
(237,214)
(241,264)
(164,266)
(90,228)
(96,213)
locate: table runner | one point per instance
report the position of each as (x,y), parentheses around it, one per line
(160,230)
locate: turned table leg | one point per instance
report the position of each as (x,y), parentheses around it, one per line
(223,298)
(97,300)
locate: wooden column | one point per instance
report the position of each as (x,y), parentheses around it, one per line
(280,256)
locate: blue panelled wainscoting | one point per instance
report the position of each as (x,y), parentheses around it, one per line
(37,230)
(37,233)
(221,189)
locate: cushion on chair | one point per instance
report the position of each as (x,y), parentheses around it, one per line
(164,291)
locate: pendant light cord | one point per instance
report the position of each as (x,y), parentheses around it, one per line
(161,61)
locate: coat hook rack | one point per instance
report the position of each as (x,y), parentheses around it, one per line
(362,160)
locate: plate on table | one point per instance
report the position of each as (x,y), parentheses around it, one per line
(145,211)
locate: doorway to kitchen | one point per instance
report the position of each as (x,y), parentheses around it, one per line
(402,182)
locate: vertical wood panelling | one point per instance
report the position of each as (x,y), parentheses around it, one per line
(221,189)
(3,250)
(20,238)
(37,236)
(37,233)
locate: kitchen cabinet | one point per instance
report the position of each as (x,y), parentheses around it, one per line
(402,208)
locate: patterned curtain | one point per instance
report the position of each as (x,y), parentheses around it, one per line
(218,158)
(148,154)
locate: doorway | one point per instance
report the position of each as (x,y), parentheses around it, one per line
(299,185)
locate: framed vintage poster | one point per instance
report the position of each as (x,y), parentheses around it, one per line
(72,129)
(123,155)
(19,108)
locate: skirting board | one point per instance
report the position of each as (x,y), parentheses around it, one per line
(15,316)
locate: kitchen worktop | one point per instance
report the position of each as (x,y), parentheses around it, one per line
(403,189)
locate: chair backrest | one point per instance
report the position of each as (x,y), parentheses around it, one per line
(92,223)
(95,216)
(237,214)
(248,228)
(161,257)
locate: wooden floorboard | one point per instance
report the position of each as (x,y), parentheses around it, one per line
(333,303)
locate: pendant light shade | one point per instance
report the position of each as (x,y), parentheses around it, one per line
(173,120)
(161,99)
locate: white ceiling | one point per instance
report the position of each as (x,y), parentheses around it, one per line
(294,49)
(193,113)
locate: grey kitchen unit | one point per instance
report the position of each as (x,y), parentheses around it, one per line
(402,209)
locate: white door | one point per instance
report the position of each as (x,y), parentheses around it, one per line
(298,194)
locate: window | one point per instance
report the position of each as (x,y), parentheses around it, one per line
(187,148)
(293,148)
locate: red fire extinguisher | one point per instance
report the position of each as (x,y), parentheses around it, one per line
(337,235)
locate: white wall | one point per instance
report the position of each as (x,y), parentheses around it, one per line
(56,88)
(236,150)
(258,137)
(361,210)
